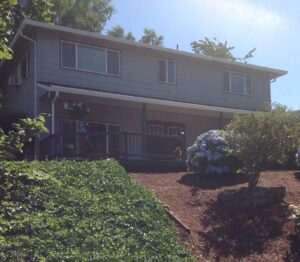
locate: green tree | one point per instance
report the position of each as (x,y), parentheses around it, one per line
(6,24)
(23,132)
(265,139)
(216,48)
(88,15)
(119,31)
(152,38)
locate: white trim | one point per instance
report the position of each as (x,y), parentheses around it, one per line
(76,44)
(167,71)
(274,73)
(174,127)
(79,91)
(244,75)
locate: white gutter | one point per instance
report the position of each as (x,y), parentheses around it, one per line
(80,91)
(33,41)
(53,112)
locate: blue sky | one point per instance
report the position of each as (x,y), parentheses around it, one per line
(272,26)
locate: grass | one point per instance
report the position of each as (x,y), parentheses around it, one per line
(81,211)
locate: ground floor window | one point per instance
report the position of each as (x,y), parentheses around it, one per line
(92,139)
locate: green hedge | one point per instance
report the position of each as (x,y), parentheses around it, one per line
(81,211)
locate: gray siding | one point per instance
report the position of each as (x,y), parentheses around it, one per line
(197,81)
(22,98)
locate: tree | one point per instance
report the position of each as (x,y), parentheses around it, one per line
(6,24)
(88,15)
(265,139)
(216,48)
(25,131)
(119,31)
(151,37)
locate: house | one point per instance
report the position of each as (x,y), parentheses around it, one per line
(114,97)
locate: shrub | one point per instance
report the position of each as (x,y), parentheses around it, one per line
(296,217)
(81,211)
(212,153)
(265,139)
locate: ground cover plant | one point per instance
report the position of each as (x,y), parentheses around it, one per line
(81,211)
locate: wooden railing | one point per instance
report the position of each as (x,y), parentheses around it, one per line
(120,145)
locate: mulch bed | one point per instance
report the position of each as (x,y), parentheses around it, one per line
(220,231)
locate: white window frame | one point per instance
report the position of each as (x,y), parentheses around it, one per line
(157,126)
(245,83)
(167,71)
(91,46)
(173,128)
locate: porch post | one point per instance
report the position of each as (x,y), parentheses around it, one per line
(144,127)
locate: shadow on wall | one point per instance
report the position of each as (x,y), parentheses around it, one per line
(237,226)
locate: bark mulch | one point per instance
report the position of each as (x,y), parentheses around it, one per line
(223,231)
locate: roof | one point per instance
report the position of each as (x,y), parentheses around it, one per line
(274,73)
(149,100)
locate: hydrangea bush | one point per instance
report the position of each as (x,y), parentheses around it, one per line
(212,153)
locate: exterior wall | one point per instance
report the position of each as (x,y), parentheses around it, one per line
(21,98)
(198,81)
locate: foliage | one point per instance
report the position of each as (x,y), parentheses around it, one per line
(23,132)
(8,117)
(264,139)
(212,153)
(296,217)
(297,156)
(216,48)
(152,38)
(6,22)
(81,211)
(78,110)
(88,15)
(119,31)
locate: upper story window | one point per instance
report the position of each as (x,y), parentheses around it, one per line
(21,72)
(167,71)
(238,83)
(90,59)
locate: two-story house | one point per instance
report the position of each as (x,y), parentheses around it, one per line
(114,97)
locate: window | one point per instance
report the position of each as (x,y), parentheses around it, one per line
(174,131)
(21,72)
(68,55)
(90,59)
(167,71)
(155,130)
(237,83)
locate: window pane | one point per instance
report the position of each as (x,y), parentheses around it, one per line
(113,63)
(68,55)
(171,72)
(226,81)
(155,130)
(248,85)
(162,71)
(91,59)
(237,83)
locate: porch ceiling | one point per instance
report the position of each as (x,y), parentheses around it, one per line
(151,101)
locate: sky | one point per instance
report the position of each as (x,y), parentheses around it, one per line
(271,26)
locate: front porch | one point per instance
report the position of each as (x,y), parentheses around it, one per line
(131,149)
(136,131)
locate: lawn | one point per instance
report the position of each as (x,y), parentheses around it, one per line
(81,211)
(221,233)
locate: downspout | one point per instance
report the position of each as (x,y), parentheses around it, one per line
(33,41)
(53,112)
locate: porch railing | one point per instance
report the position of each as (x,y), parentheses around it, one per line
(120,145)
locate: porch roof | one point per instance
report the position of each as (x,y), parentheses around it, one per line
(138,99)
